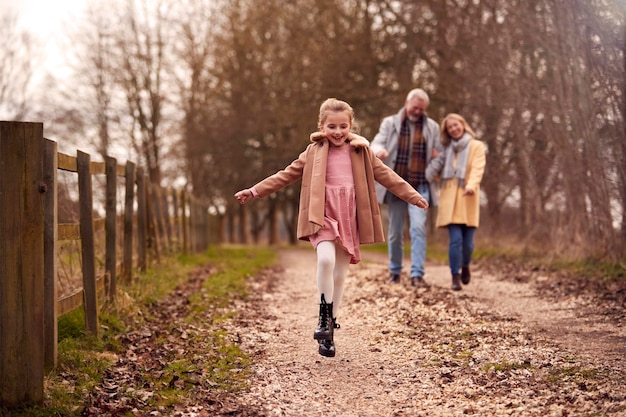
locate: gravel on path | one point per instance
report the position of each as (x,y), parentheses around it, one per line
(493,349)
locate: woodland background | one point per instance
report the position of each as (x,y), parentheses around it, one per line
(217,94)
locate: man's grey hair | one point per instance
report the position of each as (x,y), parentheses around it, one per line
(418,93)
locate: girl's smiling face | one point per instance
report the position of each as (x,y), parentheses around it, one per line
(336,127)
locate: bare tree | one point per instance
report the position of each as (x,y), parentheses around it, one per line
(142,67)
(542,81)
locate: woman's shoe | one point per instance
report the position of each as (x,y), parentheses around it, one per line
(456,282)
(465,275)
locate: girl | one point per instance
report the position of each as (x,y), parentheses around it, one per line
(463,165)
(338,206)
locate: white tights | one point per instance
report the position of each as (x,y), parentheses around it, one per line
(332,267)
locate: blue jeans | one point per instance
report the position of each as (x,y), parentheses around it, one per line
(397,209)
(461,246)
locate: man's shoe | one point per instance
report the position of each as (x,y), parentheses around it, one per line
(418,282)
(394,278)
(465,275)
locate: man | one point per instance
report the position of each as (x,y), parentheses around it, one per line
(406,142)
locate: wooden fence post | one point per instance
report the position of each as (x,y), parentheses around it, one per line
(193,245)
(185,210)
(142,221)
(176,219)
(128,221)
(83,161)
(111,226)
(21,263)
(166,218)
(51,230)
(158,217)
(153,234)
(199,226)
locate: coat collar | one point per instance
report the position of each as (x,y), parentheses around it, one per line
(356,141)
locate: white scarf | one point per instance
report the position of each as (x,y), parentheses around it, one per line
(461,148)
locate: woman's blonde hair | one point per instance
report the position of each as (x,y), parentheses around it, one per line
(445,136)
(334,105)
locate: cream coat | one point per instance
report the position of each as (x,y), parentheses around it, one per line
(366,170)
(454,207)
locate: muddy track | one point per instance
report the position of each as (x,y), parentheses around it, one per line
(494,348)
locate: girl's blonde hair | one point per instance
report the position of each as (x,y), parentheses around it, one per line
(445,136)
(333,105)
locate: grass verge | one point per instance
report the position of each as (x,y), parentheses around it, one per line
(600,273)
(84,358)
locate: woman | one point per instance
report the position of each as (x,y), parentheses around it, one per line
(460,166)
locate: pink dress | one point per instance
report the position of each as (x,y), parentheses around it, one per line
(340,210)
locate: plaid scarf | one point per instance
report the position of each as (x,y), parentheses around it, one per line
(412,171)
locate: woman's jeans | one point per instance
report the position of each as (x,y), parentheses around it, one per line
(397,210)
(461,246)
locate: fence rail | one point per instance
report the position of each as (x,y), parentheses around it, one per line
(154,220)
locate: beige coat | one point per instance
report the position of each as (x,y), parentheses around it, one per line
(454,207)
(366,170)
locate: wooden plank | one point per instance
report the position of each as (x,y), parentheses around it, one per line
(51,335)
(71,231)
(70,302)
(99,225)
(68,231)
(67,162)
(74,300)
(100,284)
(120,170)
(21,264)
(87,241)
(97,168)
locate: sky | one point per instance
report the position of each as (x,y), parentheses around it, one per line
(43,17)
(45,21)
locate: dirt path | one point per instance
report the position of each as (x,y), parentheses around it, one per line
(494,348)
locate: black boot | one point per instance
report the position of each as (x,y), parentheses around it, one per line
(465,275)
(325,325)
(327,347)
(456,282)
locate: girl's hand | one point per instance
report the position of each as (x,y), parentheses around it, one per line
(468,191)
(244,196)
(422,203)
(382,154)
